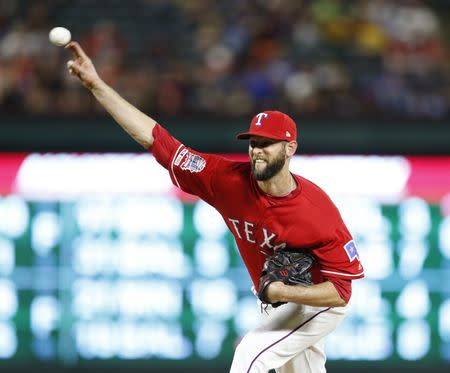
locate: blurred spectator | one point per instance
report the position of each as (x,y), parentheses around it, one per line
(322,58)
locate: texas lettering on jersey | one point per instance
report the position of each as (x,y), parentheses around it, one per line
(245,230)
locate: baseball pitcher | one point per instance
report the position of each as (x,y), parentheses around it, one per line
(300,255)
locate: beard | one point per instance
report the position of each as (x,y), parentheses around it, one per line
(272,168)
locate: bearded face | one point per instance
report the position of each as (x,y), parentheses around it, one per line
(265,166)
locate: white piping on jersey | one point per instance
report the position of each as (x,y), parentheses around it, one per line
(342,274)
(171,165)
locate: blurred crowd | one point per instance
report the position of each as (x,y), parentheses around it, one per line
(318,59)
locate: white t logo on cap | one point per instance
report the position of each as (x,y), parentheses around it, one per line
(260,116)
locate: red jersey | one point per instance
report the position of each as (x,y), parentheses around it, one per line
(306,218)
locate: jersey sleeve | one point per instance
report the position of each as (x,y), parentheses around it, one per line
(335,248)
(343,287)
(191,171)
(339,256)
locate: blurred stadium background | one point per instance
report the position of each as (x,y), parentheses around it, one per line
(104,266)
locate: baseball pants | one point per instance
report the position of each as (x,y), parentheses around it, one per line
(288,339)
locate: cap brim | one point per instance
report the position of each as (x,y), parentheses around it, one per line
(243,135)
(247,135)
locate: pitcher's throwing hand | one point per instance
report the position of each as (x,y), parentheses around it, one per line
(81,66)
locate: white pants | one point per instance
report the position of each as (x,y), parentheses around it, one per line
(289,339)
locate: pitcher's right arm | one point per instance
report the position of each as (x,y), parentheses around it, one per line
(137,124)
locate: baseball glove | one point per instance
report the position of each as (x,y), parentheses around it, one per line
(292,267)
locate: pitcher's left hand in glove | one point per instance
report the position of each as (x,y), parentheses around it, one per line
(292,267)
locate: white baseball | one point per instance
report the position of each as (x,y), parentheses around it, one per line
(59,36)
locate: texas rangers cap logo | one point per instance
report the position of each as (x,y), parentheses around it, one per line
(272,125)
(260,116)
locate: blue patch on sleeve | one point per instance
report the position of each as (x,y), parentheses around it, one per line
(350,249)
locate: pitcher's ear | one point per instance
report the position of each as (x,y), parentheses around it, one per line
(291,148)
